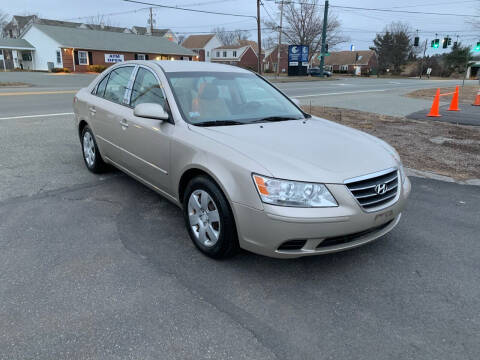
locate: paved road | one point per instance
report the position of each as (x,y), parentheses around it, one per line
(100,267)
(366,94)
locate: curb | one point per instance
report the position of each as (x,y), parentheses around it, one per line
(433,176)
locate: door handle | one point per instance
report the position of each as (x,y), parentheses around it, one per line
(124,123)
(92,110)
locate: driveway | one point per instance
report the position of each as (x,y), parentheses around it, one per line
(100,267)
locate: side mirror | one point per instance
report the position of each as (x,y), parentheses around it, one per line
(295,101)
(150,111)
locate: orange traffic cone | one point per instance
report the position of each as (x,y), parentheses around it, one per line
(435,110)
(454,103)
(477,99)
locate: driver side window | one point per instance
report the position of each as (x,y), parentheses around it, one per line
(146,89)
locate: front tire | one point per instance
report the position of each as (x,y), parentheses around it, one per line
(91,154)
(209,219)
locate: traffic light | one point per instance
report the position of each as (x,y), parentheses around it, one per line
(449,41)
(436,43)
(326,48)
(416,41)
(445,43)
(455,44)
(477,48)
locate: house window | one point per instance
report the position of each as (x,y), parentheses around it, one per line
(224,54)
(141,57)
(59,57)
(218,53)
(344,67)
(234,54)
(10,33)
(208,53)
(82,58)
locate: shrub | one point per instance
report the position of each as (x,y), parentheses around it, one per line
(96,68)
(60,70)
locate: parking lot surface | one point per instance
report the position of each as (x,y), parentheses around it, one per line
(100,267)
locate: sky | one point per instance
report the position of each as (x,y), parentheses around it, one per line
(359,26)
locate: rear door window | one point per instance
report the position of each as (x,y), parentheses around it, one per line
(118,84)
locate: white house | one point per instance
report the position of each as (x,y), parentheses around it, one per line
(202,45)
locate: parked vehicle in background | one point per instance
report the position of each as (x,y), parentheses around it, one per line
(248,167)
(316,72)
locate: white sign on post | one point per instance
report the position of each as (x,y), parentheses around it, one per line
(114,58)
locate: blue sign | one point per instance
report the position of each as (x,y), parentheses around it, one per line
(297,53)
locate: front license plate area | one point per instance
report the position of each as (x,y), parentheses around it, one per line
(384,217)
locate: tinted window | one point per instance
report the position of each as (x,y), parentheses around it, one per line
(146,89)
(117,84)
(101,86)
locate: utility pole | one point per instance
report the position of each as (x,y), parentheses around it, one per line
(423,59)
(259,30)
(151,21)
(324,38)
(279,39)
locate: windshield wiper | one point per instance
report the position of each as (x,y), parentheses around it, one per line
(219,123)
(275,119)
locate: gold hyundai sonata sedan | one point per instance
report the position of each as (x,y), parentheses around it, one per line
(246,165)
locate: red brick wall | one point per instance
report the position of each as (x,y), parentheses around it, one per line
(272,58)
(201,55)
(98,58)
(249,60)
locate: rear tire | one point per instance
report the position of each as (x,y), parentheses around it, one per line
(209,218)
(91,155)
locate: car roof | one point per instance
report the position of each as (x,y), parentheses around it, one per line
(183,66)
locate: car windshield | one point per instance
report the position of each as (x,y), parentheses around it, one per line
(221,98)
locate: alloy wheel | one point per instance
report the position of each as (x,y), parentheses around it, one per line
(89,149)
(204,218)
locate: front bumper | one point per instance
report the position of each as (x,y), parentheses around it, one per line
(263,232)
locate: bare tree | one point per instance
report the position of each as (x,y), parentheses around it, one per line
(230,37)
(303,24)
(99,19)
(3,21)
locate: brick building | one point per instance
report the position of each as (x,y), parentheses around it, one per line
(242,55)
(270,61)
(361,62)
(77,48)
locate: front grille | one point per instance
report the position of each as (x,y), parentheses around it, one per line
(363,189)
(338,240)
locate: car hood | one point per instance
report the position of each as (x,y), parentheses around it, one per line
(314,150)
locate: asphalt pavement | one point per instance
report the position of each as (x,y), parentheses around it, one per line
(100,267)
(468,115)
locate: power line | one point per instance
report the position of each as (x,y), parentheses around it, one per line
(391,10)
(144,9)
(400,11)
(191,10)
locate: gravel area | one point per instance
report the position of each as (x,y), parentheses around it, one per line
(441,148)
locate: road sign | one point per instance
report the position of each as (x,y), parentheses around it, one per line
(320,56)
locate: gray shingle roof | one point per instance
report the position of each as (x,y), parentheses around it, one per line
(112,41)
(15,43)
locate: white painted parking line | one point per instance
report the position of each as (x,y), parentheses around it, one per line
(340,93)
(396,83)
(35,116)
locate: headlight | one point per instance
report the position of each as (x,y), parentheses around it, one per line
(293,193)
